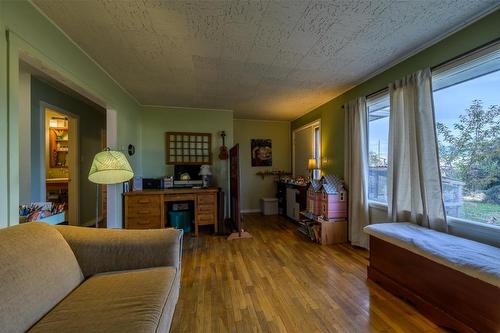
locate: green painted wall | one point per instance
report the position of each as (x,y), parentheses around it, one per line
(90,124)
(31,34)
(158,120)
(4,190)
(253,187)
(332,115)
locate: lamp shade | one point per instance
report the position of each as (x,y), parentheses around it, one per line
(312,164)
(110,167)
(205,170)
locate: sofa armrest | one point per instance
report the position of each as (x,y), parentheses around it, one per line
(107,250)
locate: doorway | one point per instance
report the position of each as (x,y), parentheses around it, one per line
(41,88)
(234,188)
(60,159)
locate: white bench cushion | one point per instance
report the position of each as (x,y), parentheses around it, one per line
(472,258)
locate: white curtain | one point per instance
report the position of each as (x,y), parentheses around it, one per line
(414,178)
(356,169)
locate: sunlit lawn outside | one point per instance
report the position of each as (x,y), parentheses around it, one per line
(482,212)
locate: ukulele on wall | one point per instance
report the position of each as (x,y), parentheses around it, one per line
(223,155)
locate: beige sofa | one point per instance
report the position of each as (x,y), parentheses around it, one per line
(72,279)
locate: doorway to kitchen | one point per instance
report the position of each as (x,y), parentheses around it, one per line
(54,159)
(61,162)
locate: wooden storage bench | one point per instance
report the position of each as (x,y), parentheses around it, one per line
(455,282)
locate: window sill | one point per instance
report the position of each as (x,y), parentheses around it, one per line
(377,205)
(472,224)
(482,232)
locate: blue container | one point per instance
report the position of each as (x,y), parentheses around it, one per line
(180,220)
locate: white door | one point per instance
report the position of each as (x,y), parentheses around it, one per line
(305,146)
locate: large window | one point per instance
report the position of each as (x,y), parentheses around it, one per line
(467,110)
(378,140)
(467,107)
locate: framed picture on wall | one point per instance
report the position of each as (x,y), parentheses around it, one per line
(262,152)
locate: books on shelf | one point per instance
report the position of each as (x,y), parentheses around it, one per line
(311,229)
(309,216)
(321,230)
(306,228)
(317,233)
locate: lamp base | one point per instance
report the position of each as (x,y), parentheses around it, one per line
(97,206)
(238,235)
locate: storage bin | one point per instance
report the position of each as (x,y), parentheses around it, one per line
(269,206)
(180,220)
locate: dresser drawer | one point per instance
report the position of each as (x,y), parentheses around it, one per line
(205,208)
(204,219)
(146,222)
(144,201)
(180,197)
(143,212)
(206,199)
(138,211)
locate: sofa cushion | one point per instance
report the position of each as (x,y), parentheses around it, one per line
(37,270)
(108,250)
(127,301)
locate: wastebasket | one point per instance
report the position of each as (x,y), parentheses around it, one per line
(180,219)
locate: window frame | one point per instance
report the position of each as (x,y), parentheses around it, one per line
(462,227)
(460,64)
(376,97)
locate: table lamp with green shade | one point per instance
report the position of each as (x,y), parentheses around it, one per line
(109,167)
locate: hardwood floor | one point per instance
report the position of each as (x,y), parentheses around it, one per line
(280,282)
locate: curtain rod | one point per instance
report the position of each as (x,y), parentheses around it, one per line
(446,62)
(373,93)
(464,54)
(377,92)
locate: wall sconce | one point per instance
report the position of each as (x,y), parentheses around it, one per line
(131,150)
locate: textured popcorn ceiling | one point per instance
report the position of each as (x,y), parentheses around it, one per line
(262,59)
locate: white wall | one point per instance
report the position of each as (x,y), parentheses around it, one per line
(114,211)
(25,132)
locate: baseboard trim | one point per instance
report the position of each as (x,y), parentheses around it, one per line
(90,223)
(249,211)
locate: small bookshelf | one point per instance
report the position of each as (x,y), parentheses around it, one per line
(58,145)
(324,232)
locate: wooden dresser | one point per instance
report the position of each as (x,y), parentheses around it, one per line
(146,209)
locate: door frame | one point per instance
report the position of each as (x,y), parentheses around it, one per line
(234,187)
(74,163)
(313,124)
(19,49)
